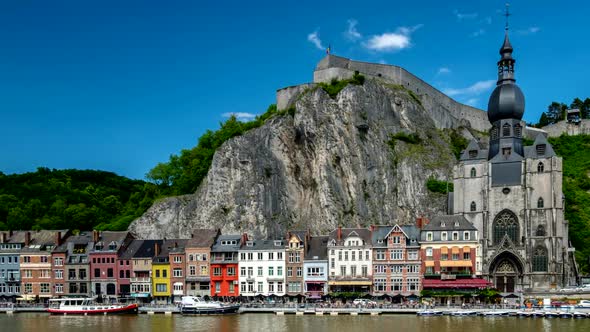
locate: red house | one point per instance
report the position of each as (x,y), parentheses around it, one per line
(224,265)
(104,265)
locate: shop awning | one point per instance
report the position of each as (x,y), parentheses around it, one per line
(457,283)
(466,249)
(444,250)
(464,263)
(455,250)
(429,263)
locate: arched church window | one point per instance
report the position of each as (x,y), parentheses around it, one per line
(517,130)
(494,132)
(505,223)
(473,207)
(540,230)
(540,203)
(540,259)
(506,130)
(473,172)
(540,168)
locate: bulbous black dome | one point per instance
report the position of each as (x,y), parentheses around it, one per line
(506,102)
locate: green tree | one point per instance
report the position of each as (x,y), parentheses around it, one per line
(543,120)
(556,112)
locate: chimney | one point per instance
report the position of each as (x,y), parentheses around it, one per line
(58,239)
(421,222)
(156,248)
(94,236)
(339,233)
(288,236)
(244,238)
(10,233)
(306,242)
(27,238)
(3,237)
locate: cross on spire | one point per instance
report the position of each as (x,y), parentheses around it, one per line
(507,14)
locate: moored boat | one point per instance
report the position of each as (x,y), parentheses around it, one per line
(429,313)
(464,313)
(194,305)
(551,314)
(524,313)
(565,314)
(495,313)
(578,314)
(87,306)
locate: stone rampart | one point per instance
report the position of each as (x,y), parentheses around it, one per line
(288,96)
(444,110)
(564,127)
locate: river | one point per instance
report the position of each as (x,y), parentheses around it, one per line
(26,322)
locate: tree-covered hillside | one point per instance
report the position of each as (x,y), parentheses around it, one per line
(575,151)
(73,199)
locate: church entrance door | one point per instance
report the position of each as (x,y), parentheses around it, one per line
(505,271)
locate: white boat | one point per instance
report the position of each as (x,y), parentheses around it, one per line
(464,313)
(194,305)
(87,306)
(578,314)
(495,313)
(429,313)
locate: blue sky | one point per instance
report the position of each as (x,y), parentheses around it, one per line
(121,85)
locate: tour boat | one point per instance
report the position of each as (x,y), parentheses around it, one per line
(429,313)
(87,306)
(194,305)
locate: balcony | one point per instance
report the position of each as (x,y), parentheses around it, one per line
(141,279)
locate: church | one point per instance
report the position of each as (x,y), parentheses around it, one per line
(513,195)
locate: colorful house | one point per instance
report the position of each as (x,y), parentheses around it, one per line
(71,266)
(396,261)
(315,268)
(262,268)
(224,265)
(349,250)
(294,254)
(141,254)
(161,274)
(177,259)
(198,257)
(9,266)
(103,262)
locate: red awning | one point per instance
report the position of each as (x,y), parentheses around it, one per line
(457,283)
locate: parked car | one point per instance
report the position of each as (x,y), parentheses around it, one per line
(363,302)
(584,304)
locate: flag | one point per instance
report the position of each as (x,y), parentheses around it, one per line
(328,49)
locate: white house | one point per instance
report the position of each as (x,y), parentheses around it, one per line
(262,268)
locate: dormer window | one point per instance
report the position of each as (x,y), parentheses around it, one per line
(278,243)
(380,241)
(112,245)
(456,224)
(249,243)
(98,246)
(472,154)
(442,224)
(541,149)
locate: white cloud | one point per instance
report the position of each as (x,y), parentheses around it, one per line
(314,38)
(472,102)
(242,116)
(487,20)
(443,70)
(528,31)
(392,41)
(352,33)
(475,89)
(477,33)
(464,16)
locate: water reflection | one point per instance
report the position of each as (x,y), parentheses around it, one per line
(268,322)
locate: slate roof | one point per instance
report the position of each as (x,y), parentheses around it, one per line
(107,237)
(531,151)
(203,238)
(40,240)
(264,245)
(317,249)
(412,232)
(140,249)
(83,238)
(379,233)
(218,247)
(449,223)
(474,145)
(363,233)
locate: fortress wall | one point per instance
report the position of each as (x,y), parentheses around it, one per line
(563,127)
(444,110)
(287,96)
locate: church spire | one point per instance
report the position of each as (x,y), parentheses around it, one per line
(506,63)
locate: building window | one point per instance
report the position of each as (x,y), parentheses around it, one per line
(505,223)
(396,240)
(466,255)
(231,271)
(259,270)
(466,236)
(505,130)
(271,271)
(217,287)
(473,172)
(540,203)
(494,132)
(396,284)
(517,130)
(204,270)
(243,287)
(343,270)
(279,271)
(192,270)
(540,167)
(413,284)
(177,273)
(540,230)
(473,207)
(289,271)
(250,287)
(110,273)
(59,274)
(260,256)
(250,271)
(299,271)
(259,287)
(380,256)
(443,236)
(540,259)
(429,252)
(380,285)
(455,236)
(412,254)
(472,154)
(216,272)
(58,261)
(97,273)
(396,254)
(177,259)
(429,236)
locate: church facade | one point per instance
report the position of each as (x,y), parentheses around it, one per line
(513,196)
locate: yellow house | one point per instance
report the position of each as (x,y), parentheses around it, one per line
(161,279)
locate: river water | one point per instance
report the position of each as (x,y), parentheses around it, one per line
(268,322)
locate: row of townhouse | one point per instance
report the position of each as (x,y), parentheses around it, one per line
(395,261)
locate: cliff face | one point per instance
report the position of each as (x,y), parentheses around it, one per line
(333,162)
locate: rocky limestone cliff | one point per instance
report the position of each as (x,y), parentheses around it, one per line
(332,163)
